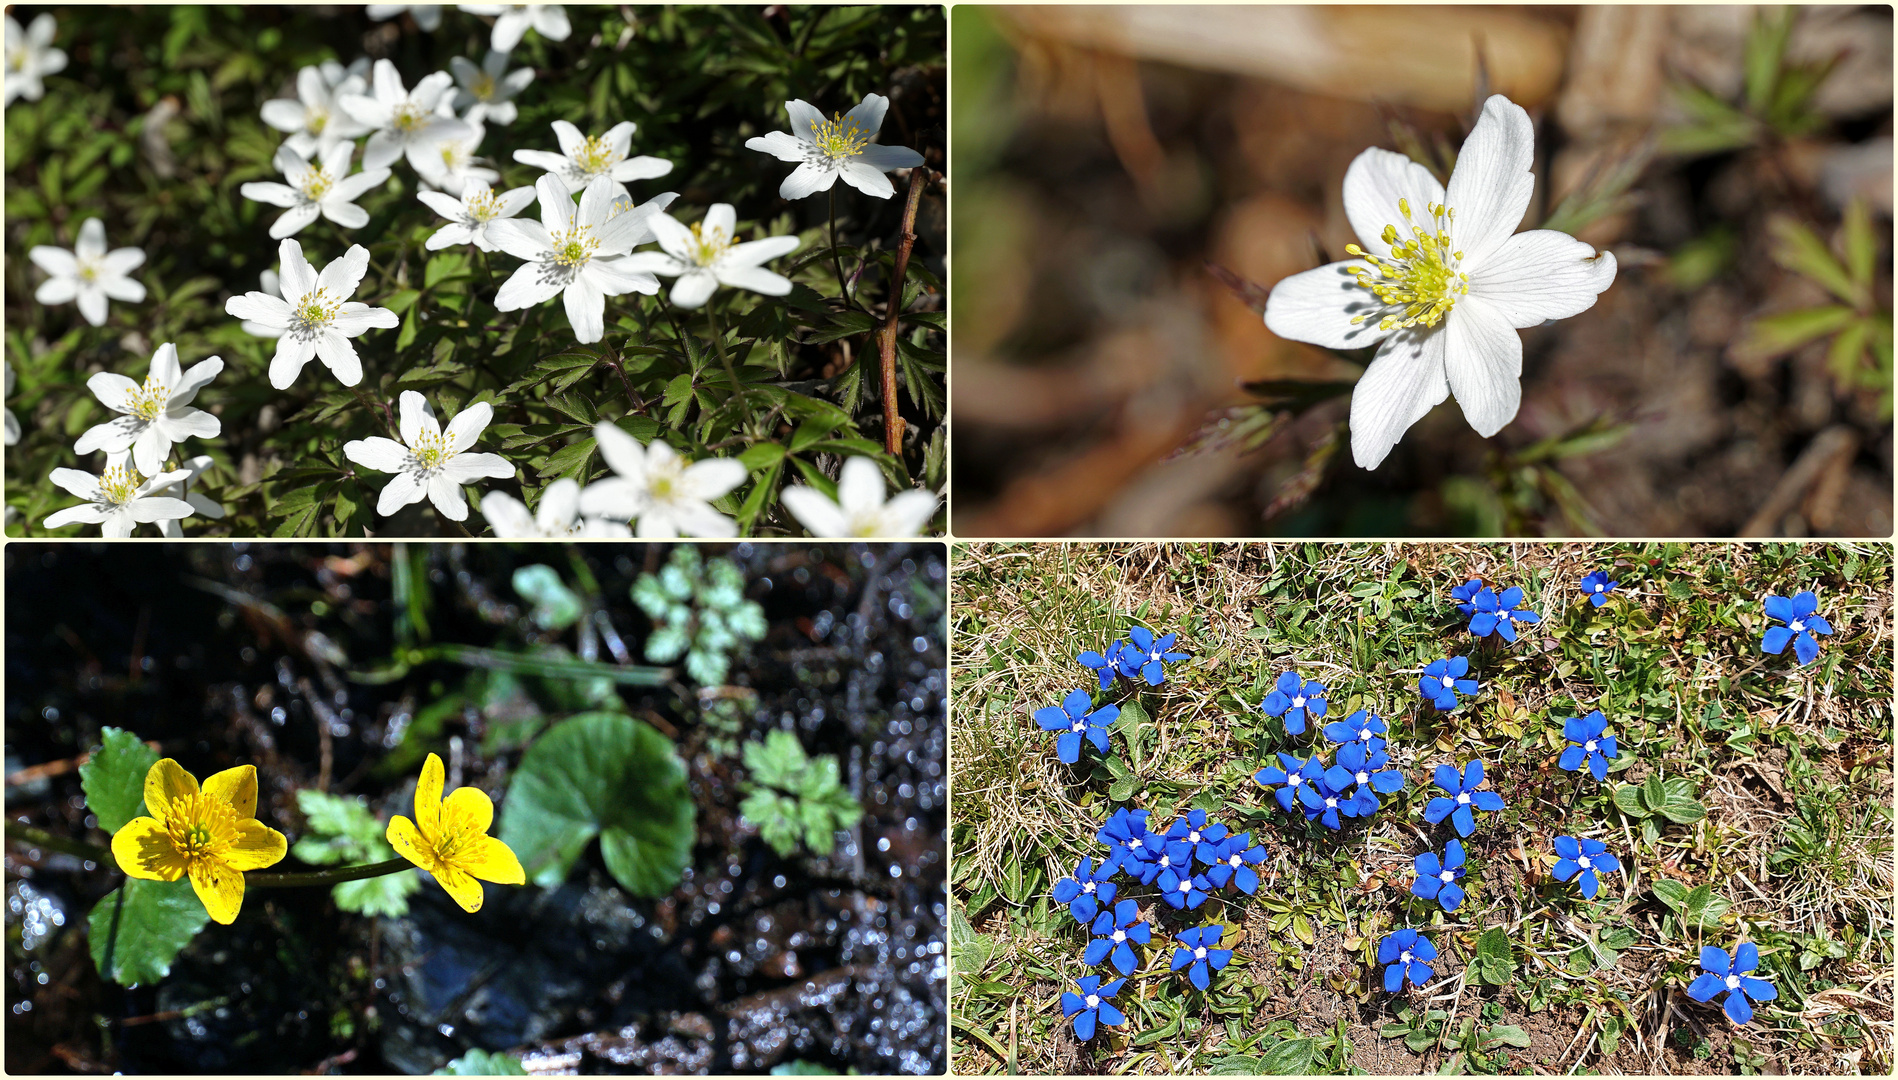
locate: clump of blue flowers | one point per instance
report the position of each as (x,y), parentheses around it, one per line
(1201,835)
(1074,720)
(1597,586)
(1443,680)
(1106,665)
(1091,1006)
(1292,699)
(1233,861)
(1500,613)
(1200,955)
(1289,776)
(1587,745)
(1408,953)
(1802,621)
(1584,859)
(1719,975)
(1461,797)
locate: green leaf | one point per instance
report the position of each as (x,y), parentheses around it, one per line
(809,800)
(137,929)
(1670,892)
(1861,244)
(556,607)
(482,1063)
(1654,794)
(605,775)
(1628,799)
(1291,1057)
(1679,805)
(385,895)
(339,829)
(113,778)
(1495,958)
(1800,250)
(1508,1034)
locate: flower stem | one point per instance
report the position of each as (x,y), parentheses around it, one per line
(326,877)
(886,336)
(28,834)
(388,418)
(836,260)
(718,343)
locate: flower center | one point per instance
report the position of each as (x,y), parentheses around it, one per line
(202,827)
(708,248)
(575,248)
(1463,798)
(316,184)
(408,118)
(1448,682)
(1293,780)
(1199,952)
(596,156)
(1087,887)
(1365,735)
(1420,276)
(1186,887)
(1093,1001)
(431,450)
(839,137)
(483,207)
(1598,587)
(1135,843)
(1363,777)
(482,87)
(1298,702)
(1234,861)
(1797,626)
(1193,837)
(1583,862)
(316,311)
(1733,982)
(16,59)
(118,484)
(148,401)
(1331,802)
(1404,957)
(1589,746)
(454,155)
(1078,725)
(315,120)
(89,269)
(1120,936)
(1447,876)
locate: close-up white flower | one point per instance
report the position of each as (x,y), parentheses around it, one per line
(312,120)
(202,505)
(579,256)
(325,188)
(485,94)
(434,463)
(118,499)
(31,57)
(859,510)
(1443,281)
(703,256)
(666,494)
(428,17)
(583,158)
(404,121)
(839,147)
(88,273)
(512,21)
(470,216)
(452,165)
(154,416)
(315,316)
(556,518)
(13,422)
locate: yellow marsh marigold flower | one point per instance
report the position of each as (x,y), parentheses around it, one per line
(211,834)
(449,838)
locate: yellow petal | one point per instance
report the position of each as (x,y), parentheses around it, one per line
(236,786)
(428,798)
(258,845)
(467,810)
(164,782)
(219,887)
(407,841)
(491,860)
(466,890)
(143,849)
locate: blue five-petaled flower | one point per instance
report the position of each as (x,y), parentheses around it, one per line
(1465,595)
(1114,930)
(1597,586)
(1105,664)
(1326,803)
(1125,833)
(1293,698)
(1233,862)
(1443,680)
(1183,891)
(1721,976)
(1088,890)
(1149,655)
(1073,720)
(1090,1005)
(1363,764)
(1195,831)
(1198,954)
(1499,614)
(1461,797)
(1436,878)
(1406,952)
(1585,857)
(1175,855)
(1799,615)
(1588,744)
(1290,778)
(1362,726)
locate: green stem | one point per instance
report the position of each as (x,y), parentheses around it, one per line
(36,837)
(371,404)
(836,259)
(326,877)
(718,343)
(514,663)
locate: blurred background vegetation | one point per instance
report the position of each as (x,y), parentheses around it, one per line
(1132,181)
(154,126)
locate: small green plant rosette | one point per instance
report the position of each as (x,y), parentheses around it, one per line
(792,798)
(699,612)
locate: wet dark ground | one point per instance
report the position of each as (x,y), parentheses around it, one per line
(753,961)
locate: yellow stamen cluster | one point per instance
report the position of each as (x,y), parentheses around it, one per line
(431,450)
(316,184)
(202,827)
(88,269)
(408,118)
(483,206)
(839,137)
(1420,276)
(707,247)
(317,309)
(148,401)
(621,204)
(576,247)
(118,484)
(596,156)
(483,88)
(316,120)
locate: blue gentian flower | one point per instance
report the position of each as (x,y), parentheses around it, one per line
(1436,879)
(1597,586)
(1183,891)
(1149,655)
(1585,857)
(1113,930)
(1090,1005)
(1462,797)
(1074,721)
(1293,699)
(1443,680)
(1233,862)
(1365,768)
(1105,664)
(1720,976)
(1362,726)
(1199,956)
(1589,744)
(1126,834)
(1326,803)
(1175,855)
(1293,775)
(1087,891)
(1465,595)
(1500,614)
(1406,952)
(1204,836)
(1801,624)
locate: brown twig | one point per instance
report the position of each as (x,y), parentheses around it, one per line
(886,339)
(54,768)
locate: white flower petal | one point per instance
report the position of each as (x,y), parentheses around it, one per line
(878,156)
(755,278)
(466,428)
(1404,382)
(529,285)
(295,273)
(621,452)
(817,513)
(1491,185)
(1374,183)
(694,288)
(1541,274)
(780,145)
(809,179)
(1482,357)
(1317,306)
(712,477)
(402,489)
(508,516)
(378,453)
(866,179)
(339,356)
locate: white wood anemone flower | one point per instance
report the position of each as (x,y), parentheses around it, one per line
(313,121)
(469,216)
(271,285)
(325,188)
(859,510)
(403,121)
(703,256)
(452,165)
(314,317)
(118,499)
(88,273)
(202,505)
(585,158)
(434,463)
(486,93)
(556,518)
(512,21)
(428,17)
(668,495)
(1443,281)
(838,147)
(154,416)
(578,256)
(31,57)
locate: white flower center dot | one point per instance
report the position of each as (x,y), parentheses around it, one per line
(1797,626)
(1733,982)
(1589,746)
(1447,875)
(1463,798)
(1093,1001)
(1298,702)
(1583,862)
(1448,682)
(1199,953)
(1120,935)
(1404,957)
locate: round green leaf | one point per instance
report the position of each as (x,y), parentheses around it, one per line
(136,930)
